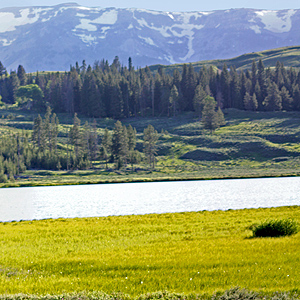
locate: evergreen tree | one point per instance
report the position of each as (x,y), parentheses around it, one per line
(219,116)
(22,75)
(250,102)
(131,135)
(286,99)
(119,145)
(173,100)
(253,76)
(75,135)
(211,118)
(106,145)
(225,81)
(150,140)
(38,136)
(2,70)
(198,100)
(296,97)
(273,100)
(93,142)
(13,85)
(262,82)
(235,90)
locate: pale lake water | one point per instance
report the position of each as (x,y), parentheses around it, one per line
(146,198)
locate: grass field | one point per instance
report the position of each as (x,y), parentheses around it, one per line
(199,252)
(252,144)
(289,56)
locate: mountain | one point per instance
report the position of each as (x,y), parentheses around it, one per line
(52,38)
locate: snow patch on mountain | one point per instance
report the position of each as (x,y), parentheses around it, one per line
(86,24)
(6,42)
(9,21)
(170,15)
(108,17)
(274,21)
(148,40)
(87,39)
(256,29)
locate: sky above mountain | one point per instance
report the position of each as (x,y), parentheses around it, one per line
(166,5)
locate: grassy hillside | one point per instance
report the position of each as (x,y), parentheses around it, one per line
(197,252)
(289,56)
(252,144)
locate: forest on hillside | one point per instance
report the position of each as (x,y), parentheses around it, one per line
(120,92)
(116,91)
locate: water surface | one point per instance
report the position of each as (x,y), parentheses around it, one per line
(144,198)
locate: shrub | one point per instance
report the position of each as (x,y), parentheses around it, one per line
(275,228)
(237,294)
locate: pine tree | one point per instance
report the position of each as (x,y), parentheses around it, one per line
(22,75)
(198,100)
(219,118)
(2,70)
(173,100)
(94,147)
(38,136)
(273,100)
(13,85)
(134,158)
(131,135)
(253,75)
(211,118)
(75,135)
(150,140)
(119,145)
(235,90)
(296,97)
(250,102)
(106,144)
(225,81)
(286,99)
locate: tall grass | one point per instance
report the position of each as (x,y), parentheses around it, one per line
(200,252)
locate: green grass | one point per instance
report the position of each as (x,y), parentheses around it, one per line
(197,252)
(289,56)
(252,144)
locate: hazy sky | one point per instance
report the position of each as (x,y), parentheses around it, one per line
(166,5)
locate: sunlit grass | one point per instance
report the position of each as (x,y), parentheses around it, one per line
(185,252)
(252,144)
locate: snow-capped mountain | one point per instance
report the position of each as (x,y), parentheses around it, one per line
(52,38)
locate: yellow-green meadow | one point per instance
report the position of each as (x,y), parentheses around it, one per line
(193,252)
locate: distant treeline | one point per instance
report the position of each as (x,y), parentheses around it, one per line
(116,91)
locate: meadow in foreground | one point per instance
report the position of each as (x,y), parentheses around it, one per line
(195,252)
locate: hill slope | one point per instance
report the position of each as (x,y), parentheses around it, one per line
(251,144)
(289,56)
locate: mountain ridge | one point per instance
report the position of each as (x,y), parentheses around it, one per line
(53,37)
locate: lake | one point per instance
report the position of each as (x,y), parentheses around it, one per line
(145,198)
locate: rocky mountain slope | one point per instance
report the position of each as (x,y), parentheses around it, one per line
(52,38)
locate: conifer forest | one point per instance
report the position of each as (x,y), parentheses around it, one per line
(122,92)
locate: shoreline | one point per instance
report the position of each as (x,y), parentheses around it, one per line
(138,180)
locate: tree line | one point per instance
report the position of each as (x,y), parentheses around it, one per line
(117,91)
(82,147)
